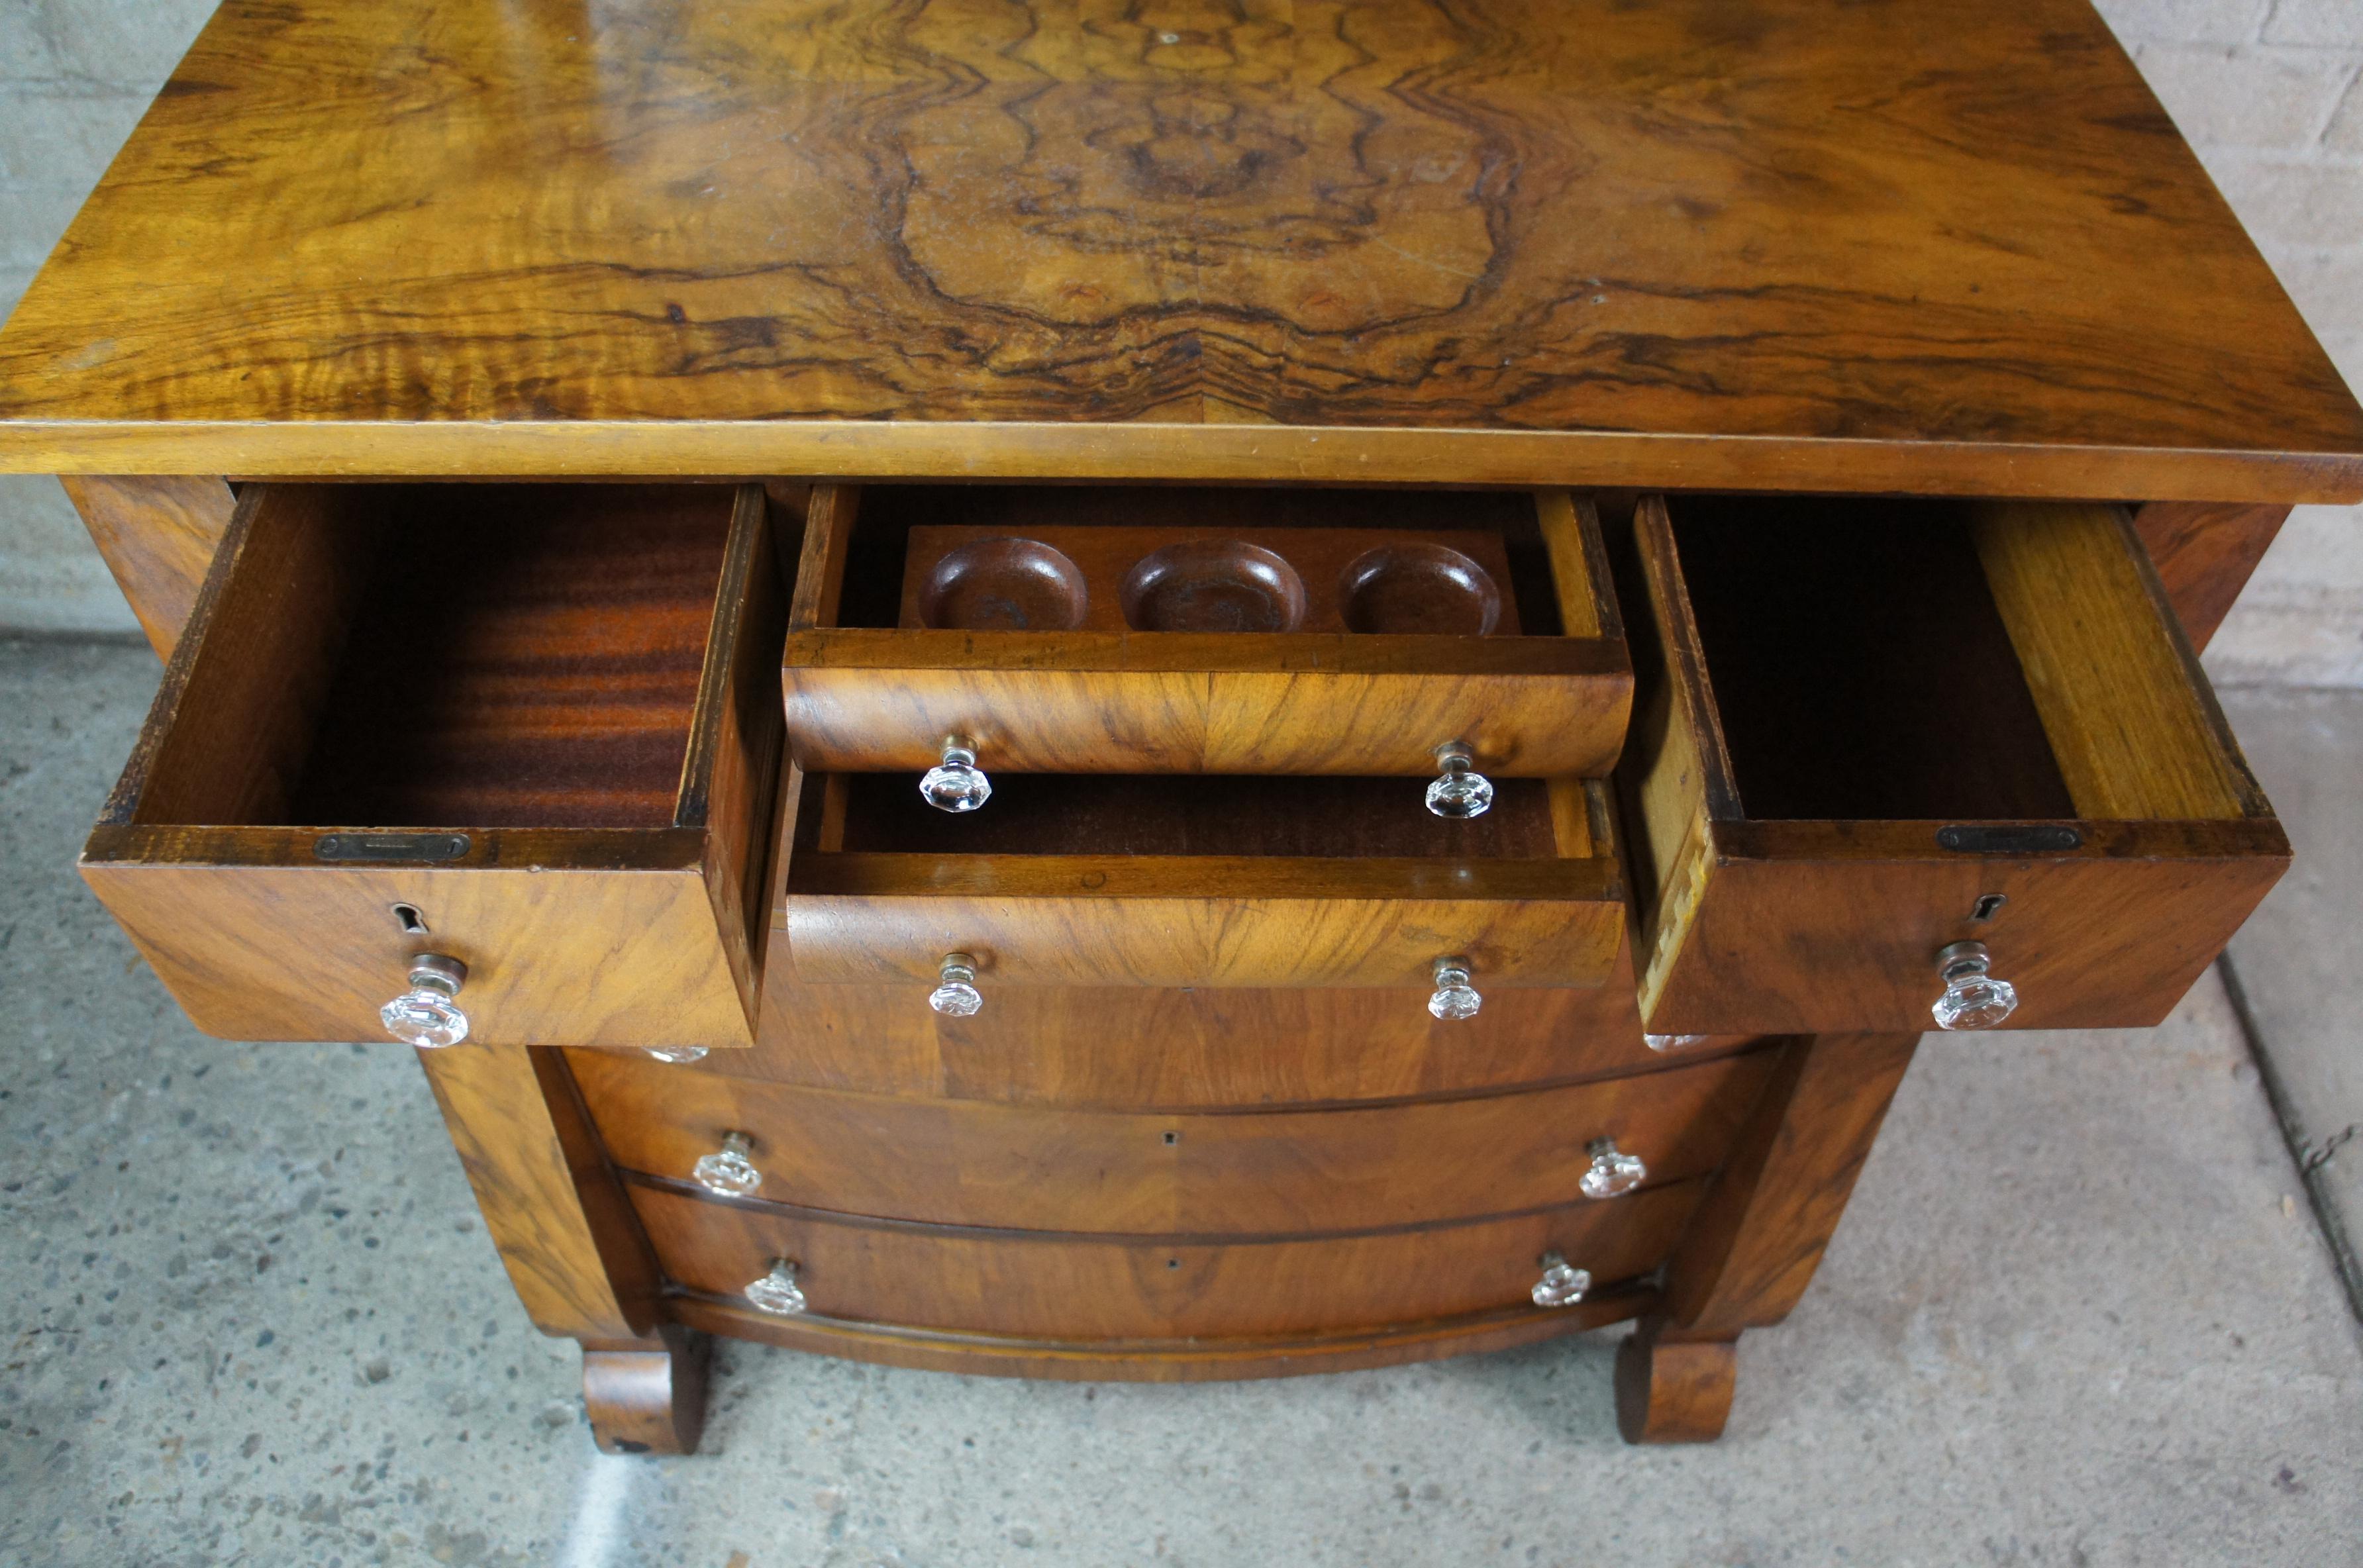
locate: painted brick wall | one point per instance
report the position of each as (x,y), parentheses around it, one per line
(2266,90)
(2270,94)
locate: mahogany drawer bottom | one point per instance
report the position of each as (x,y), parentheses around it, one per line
(1073,1289)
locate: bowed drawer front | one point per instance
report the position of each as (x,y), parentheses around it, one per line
(1242,1174)
(1181,629)
(530,729)
(1068,880)
(1897,763)
(1046,1285)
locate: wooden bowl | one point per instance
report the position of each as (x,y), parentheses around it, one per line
(1418,589)
(1008,585)
(1214,585)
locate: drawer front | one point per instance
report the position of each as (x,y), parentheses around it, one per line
(615,956)
(1043,1286)
(527,728)
(1194,1049)
(964,1163)
(1100,698)
(1873,732)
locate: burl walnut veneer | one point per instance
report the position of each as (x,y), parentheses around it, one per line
(1504,600)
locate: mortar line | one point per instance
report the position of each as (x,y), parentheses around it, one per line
(2326,1220)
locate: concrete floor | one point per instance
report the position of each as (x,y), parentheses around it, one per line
(2079,1314)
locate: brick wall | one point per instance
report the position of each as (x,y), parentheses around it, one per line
(2270,94)
(2266,90)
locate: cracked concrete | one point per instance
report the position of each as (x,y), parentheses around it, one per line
(2078,1314)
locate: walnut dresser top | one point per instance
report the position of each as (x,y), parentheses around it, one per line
(1904,245)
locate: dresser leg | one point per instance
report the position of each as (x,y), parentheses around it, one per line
(650,1398)
(1673,1387)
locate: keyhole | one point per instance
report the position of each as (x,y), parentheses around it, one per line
(1987,906)
(1171,1138)
(407,916)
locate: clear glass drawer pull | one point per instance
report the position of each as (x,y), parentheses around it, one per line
(1613,1172)
(728,1170)
(1562,1284)
(428,1013)
(778,1292)
(677,1053)
(1973,999)
(956,783)
(956,995)
(1459,791)
(1454,997)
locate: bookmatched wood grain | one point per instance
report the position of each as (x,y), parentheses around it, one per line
(156,535)
(1117,1292)
(1017,241)
(1247,1174)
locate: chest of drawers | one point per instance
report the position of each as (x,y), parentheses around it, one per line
(1175,694)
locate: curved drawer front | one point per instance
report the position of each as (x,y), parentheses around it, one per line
(1137,1048)
(1283,1173)
(1051,1286)
(1019,627)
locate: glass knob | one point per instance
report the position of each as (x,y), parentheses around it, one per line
(677,1053)
(1613,1172)
(956,995)
(428,1014)
(728,1170)
(956,783)
(1454,997)
(777,1292)
(1973,999)
(1562,1284)
(1458,792)
(1672,1042)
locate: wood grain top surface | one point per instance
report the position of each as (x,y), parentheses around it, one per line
(1780,244)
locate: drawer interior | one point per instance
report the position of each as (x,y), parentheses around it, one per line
(1914,661)
(1869,732)
(878,552)
(454,655)
(1204,629)
(1179,881)
(1052,814)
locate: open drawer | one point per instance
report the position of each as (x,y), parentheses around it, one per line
(529,728)
(1198,630)
(1868,730)
(1157,880)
